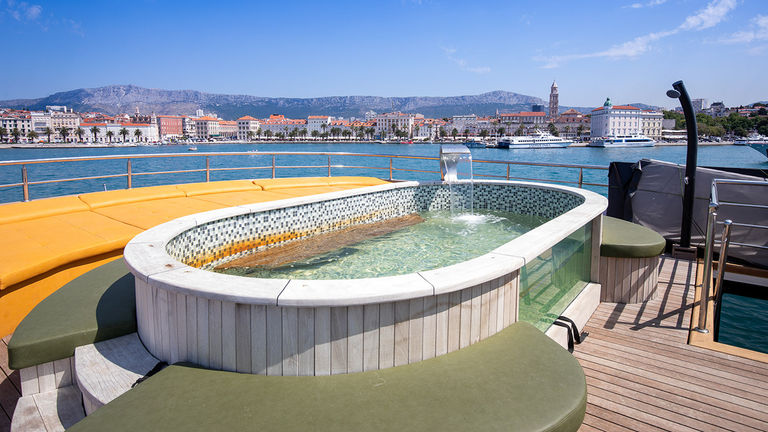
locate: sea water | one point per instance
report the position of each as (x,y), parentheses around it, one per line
(440,240)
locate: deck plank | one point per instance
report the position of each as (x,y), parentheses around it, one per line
(642,375)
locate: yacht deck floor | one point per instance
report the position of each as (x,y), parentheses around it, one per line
(641,373)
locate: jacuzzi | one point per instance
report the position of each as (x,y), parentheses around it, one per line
(322,327)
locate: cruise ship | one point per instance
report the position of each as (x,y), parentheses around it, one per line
(623,141)
(536,140)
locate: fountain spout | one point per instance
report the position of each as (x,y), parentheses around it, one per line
(450,156)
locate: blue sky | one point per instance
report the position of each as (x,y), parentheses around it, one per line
(630,50)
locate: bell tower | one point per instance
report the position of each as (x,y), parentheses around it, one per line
(554,103)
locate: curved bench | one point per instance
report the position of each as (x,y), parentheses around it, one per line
(518,379)
(47,243)
(96,306)
(629,261)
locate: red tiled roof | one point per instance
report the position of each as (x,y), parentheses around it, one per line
(247,118)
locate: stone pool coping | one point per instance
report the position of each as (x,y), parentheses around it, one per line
(148,260)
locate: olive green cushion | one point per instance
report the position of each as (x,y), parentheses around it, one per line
(622,239)
(96,306)
(517,380)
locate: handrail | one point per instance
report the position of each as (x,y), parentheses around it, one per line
(329,164)
(725,242)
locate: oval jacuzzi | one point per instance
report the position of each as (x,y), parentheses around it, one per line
(321,327)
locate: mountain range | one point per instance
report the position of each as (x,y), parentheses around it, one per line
(115,99)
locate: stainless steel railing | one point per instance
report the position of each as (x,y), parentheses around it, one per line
(715,203)
(330,158)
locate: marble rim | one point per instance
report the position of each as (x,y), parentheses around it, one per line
(148,260)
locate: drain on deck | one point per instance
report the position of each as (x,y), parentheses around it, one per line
(299,250)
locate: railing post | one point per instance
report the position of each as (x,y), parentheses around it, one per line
(507,171)
(25,182)
(581,177)
(207,168)
(707,280)
(724,243)
(329,165)
(273,166)
(390,169)
(129,174)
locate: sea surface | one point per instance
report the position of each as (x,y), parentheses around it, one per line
(743,322)
(713,156)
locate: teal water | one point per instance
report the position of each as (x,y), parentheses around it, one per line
(441,240)
(725,156)
(743,322)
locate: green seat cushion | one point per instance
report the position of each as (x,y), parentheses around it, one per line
(98,305)
(622,239)
(516,380)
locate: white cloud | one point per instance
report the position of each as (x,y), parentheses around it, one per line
(651,3)
(710,16)
(757,32)
(449,54)
(23,11)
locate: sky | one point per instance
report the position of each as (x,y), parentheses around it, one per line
(628,50)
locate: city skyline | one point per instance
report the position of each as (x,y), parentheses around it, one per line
(630,51)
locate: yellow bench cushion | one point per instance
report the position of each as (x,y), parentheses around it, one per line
(302,182)
(19,211)
(148,214)
(194,189)
(231,199)
(97,200)
(36,246)
(291,192)
(355,181)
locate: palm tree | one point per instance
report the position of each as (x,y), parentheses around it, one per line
(268,133)
(258,132)
(335,132)
(95,132)
(501,131)
(15,133)
(79,132)
(580,130)
(249,135)
(454,132)
(521,130)
(484,133)
(109,135)
(323,127)
(315,133)
(137,134)
(466,133)
(64,132)
(32,135)
(3,133)
(123,132)
(48,131)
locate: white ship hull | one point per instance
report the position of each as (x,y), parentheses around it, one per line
(537,141)
(623,141)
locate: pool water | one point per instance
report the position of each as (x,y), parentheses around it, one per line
(743,321)
(442,239)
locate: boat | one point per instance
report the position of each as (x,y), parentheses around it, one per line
(537,140)
(475,144)
(192,149)
(757,142)
(406,142)
(622,141)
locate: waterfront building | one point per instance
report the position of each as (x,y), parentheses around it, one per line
(188,127)
(247,124)
(573,124)
(40,121)
(554,101)
(206,127)
(228,129)
(370,115)
(147,132)
(525,118)
(170,127)
(464,123)
(318,123)
(651,124)
(388,123)
(63,117)
(718,109)
(16,120)
(278,123)
(610,120)
(699,105)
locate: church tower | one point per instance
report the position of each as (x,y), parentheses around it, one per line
(554,103)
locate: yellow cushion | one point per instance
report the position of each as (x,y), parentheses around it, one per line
(36,246)
(231,199)
(194,189)
(268,184)
(19,211)
(124,196)
(291,192)
(356,181)
(148,214)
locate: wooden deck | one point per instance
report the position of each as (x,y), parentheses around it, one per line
(641,374)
